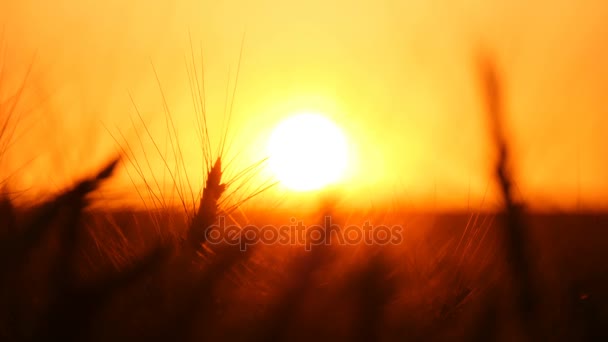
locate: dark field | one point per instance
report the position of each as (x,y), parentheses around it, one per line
(116,275)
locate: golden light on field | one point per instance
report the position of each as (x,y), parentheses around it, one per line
(307,151)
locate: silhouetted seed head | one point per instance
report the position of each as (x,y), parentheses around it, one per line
(108,170)
(88,185)
(213,186)
(516,243)
(206,215)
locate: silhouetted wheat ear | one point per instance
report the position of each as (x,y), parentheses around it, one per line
(206,214)
(517,244)
(72,200)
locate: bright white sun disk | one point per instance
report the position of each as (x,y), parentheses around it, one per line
(307,152)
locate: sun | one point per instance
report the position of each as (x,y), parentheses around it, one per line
(307,151)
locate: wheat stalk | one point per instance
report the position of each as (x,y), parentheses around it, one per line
(516,239)
(206,215)
(202,209)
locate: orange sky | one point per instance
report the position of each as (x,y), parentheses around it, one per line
(398,76)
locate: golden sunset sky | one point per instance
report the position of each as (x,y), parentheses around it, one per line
(398,76)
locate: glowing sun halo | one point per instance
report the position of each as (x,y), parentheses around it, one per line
(307,152)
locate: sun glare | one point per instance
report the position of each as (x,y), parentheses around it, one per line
(307,152)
